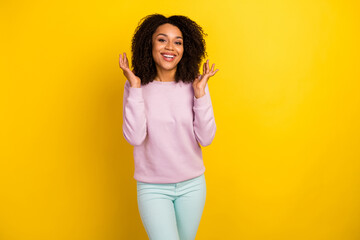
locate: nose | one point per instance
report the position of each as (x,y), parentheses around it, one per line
(169,45)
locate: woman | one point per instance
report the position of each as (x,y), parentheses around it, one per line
(167,114)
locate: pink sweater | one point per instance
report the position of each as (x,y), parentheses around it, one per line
(166,123)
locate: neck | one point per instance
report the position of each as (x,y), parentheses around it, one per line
(165,76)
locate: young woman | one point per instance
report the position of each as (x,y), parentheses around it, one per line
(167,115)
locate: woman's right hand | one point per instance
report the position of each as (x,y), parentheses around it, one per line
(124,65)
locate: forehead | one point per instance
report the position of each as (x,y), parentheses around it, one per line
(169,30)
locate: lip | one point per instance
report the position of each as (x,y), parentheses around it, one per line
(168,59)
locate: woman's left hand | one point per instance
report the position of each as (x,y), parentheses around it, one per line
(199,83)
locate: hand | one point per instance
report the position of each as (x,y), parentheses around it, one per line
(199,83)
(124,65)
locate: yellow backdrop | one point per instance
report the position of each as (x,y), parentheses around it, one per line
(285,162)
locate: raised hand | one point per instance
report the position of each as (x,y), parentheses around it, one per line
(199,83)
(130,76)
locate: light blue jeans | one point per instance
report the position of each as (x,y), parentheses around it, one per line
(172,211)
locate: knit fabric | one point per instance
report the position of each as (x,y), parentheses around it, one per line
(166,124)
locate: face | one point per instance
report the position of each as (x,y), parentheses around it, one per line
(167,49)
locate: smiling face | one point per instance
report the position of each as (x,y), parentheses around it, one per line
(167,47)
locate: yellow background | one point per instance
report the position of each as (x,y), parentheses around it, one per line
(285,162)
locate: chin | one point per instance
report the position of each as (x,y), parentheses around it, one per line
(169,68)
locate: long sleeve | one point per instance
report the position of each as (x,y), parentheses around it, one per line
(134,118)
(167,127)
(204,121)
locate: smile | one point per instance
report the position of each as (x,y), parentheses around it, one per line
(168,57)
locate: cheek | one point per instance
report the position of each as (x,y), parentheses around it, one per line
(155,47)
(181,51)
(155,53)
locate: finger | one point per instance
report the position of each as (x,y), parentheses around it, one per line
(204,69)
(204,77)
(207,66)
(120,61)
(125,59)
(213,73)
(212,67)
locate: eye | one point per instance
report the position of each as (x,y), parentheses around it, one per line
(178,43)
(161,40)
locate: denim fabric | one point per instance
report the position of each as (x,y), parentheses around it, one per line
(172,211)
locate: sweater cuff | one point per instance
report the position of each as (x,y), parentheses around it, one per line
(136,94)
(201,101)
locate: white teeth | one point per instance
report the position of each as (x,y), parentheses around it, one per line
(168,56)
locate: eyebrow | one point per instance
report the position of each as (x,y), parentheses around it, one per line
(167,35)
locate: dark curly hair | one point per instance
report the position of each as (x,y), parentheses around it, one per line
(193,41)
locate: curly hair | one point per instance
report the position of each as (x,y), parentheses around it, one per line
(193,41)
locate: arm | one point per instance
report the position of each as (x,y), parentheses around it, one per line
(204,121)
(134,119)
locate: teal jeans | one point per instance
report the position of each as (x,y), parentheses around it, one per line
(172,211)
